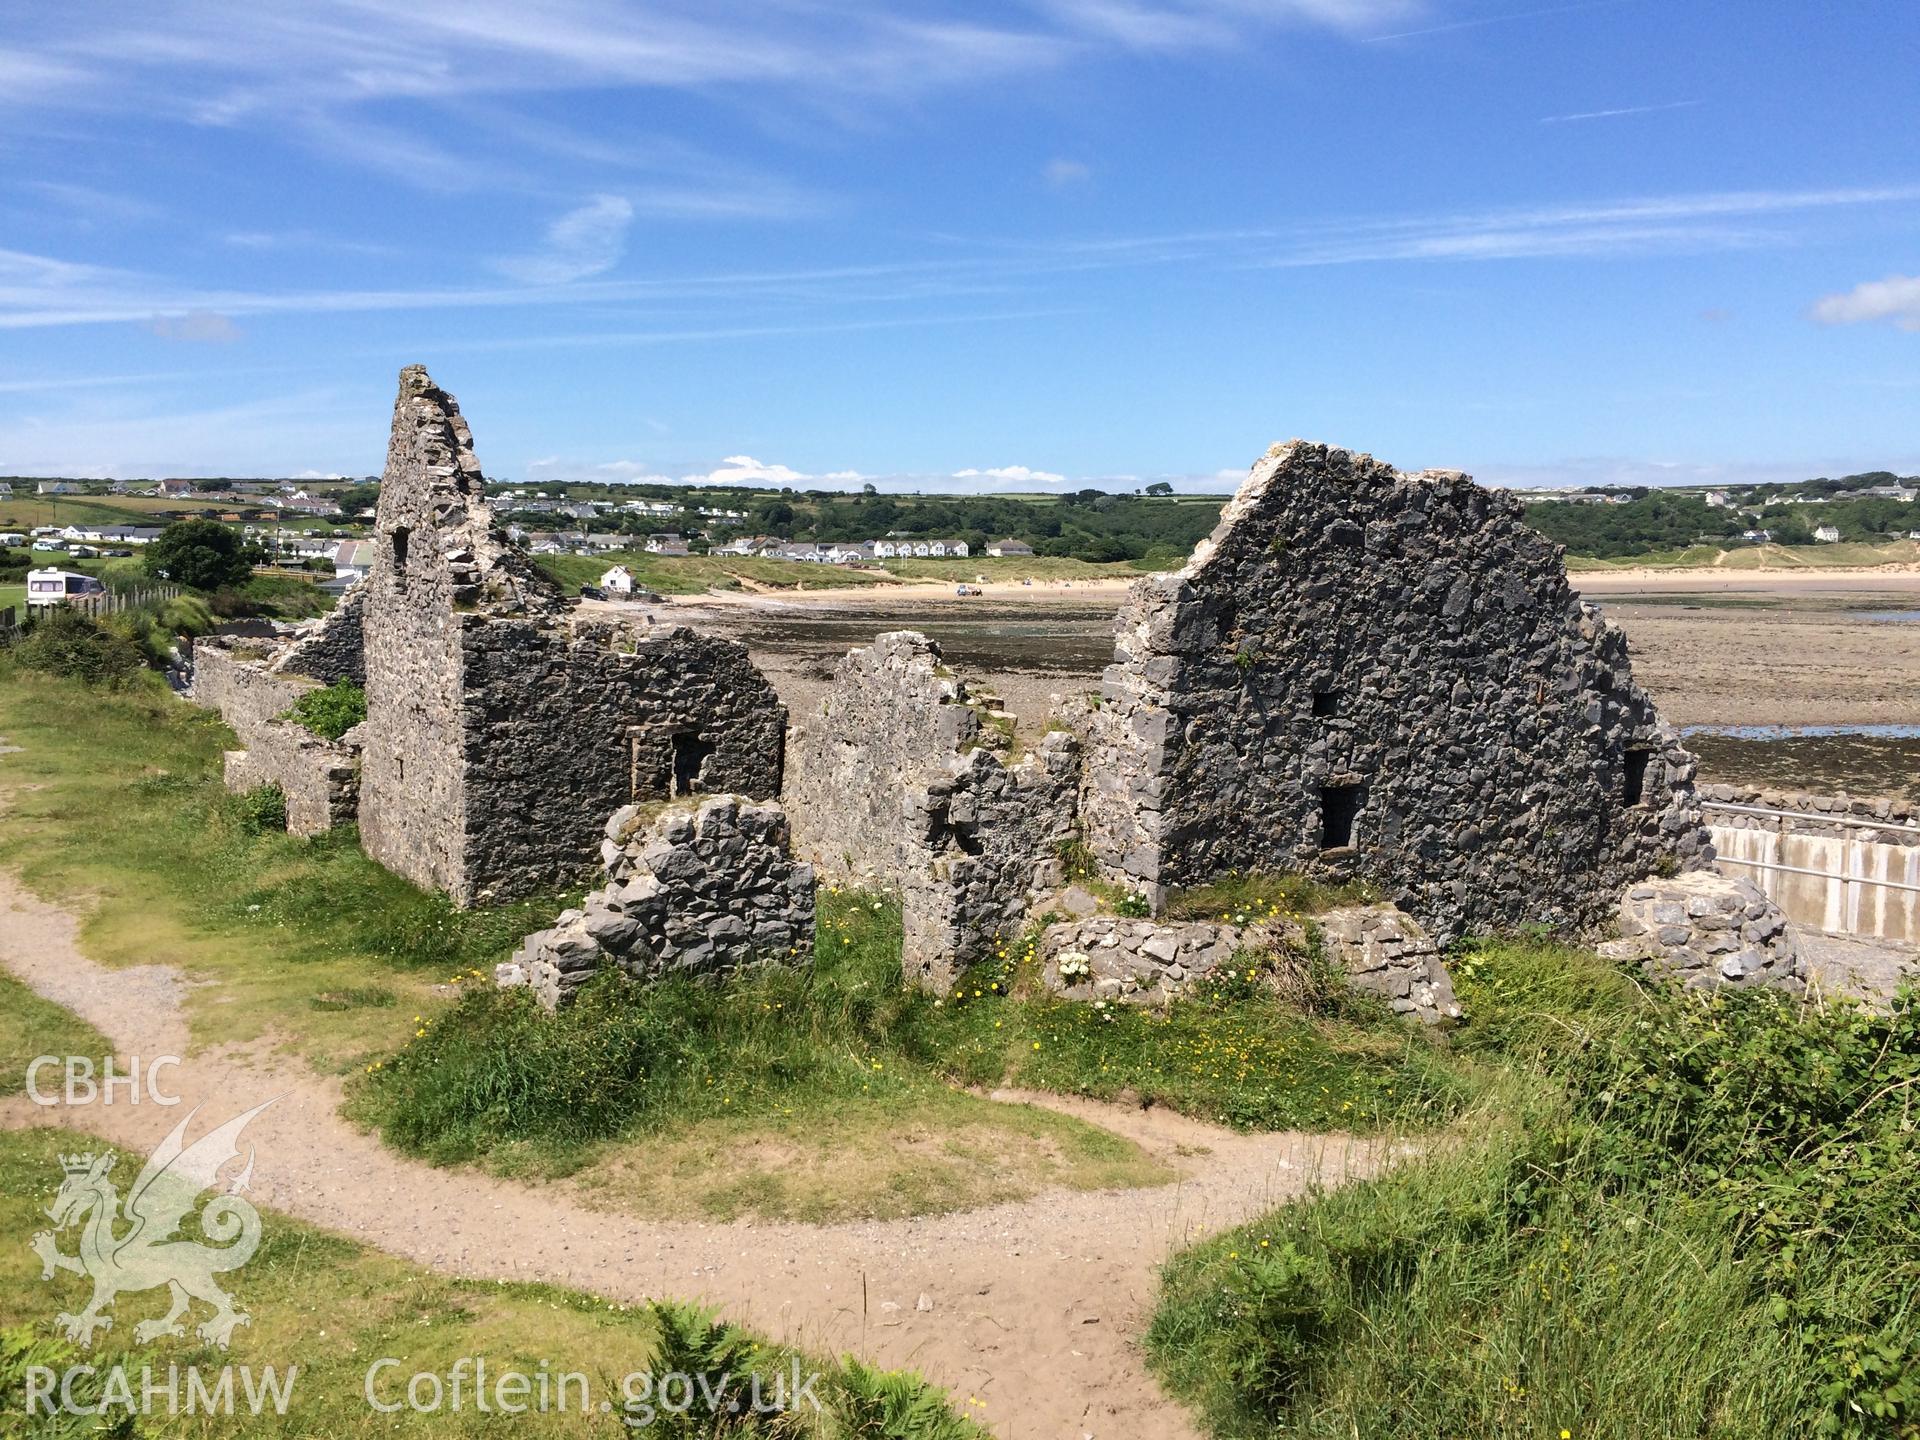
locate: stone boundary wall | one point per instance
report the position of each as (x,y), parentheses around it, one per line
(235,678)
(1814,841)
(1150,962)
(319,777)
(1815,814)
(697,892)
(1387,954)
(1134,961)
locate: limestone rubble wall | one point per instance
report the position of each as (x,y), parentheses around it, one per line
(694,891)
(333,647)
(559,730)
(1364,674)
(899,780)
(501,730)
(320,778)
(233,678)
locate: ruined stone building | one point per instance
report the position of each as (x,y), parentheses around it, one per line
(902,778)
(503,728)
(1386,677)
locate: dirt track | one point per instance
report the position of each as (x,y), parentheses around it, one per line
(1036,1307)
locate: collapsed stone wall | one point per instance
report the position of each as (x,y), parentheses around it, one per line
(1706,929)
(1365,674)
(1151,962)
(902,778)
(1138,961)
(1386,953)
(320,778)
(332,648)
(502,729)
(692,892)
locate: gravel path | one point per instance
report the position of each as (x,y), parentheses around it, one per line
(1036,1307)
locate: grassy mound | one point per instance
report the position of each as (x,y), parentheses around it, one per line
(1676,1216)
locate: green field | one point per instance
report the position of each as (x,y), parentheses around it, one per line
(1845,555)
(1011,570)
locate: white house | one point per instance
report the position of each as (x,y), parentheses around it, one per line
(1757,537)
(352,559)
(1826,535)
(666,545)
(617,581)
(1718,499)
(1009,546)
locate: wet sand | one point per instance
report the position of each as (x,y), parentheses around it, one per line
(1715,649)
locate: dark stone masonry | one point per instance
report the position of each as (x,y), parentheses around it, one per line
(503,728)
(691,891)
(1360,675)
(1364,674)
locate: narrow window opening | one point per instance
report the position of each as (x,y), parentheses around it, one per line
(1339,808)
(1326,704)
(690,754)
(1634,782)
(400,537)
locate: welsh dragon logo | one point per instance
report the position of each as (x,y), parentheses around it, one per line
(140,1249)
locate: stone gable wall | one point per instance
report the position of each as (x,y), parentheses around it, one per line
(502,730)
(1404,644)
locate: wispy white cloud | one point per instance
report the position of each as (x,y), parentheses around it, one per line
(1616,114)
(1896,298)
(1479,22)
(1061,173)
(1012,475)
(582,243)
(555,469)
(745,470)
(204,327)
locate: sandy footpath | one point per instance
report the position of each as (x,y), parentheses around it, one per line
(1034,1308)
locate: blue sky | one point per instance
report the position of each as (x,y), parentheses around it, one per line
(987,245)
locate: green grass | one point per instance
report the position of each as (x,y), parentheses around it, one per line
(1853,554)
(115,801)
(16,596)
(1667,1216)
(31,1027)
(1002,570)
(309,945)
(828,1058)
(331,1308)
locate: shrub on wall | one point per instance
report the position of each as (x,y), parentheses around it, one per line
(332,711)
